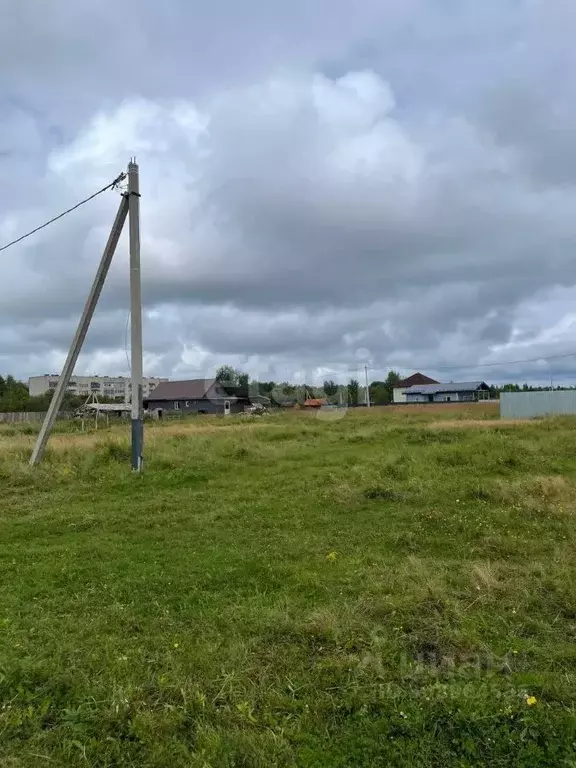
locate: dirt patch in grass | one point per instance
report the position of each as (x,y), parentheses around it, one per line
(187,429)
(488,409)
(476,423)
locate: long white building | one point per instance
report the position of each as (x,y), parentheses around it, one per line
(119,387)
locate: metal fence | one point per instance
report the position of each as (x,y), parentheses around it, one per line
(30,416)
(531,405)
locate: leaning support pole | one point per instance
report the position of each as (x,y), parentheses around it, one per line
(81,331)
(136,317)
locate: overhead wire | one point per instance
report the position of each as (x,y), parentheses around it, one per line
(112,185)
(496,364)
(470,366)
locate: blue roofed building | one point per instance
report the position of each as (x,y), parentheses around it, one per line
(453,392)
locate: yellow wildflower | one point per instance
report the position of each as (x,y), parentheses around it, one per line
(331,556)
(531,700)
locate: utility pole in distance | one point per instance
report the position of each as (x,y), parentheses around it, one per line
(367,387)
(136,315)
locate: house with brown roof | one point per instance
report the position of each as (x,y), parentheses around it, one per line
(199,396)
(399,390)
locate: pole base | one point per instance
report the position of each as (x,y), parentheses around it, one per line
(137,434)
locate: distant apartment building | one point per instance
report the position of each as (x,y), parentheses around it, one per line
(118,387)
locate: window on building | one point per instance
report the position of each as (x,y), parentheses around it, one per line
(176,405)
(52,384)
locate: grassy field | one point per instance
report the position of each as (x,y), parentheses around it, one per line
(394,588)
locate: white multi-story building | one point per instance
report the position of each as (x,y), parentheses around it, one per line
(118,387)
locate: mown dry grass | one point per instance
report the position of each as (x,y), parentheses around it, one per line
(291,592)
(77,439)
(455,410)
(475,424)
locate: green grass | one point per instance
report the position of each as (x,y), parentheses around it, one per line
(291,591)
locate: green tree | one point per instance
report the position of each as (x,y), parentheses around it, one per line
(330,388)
(15,395)
(231,376)
(227,374)
(353,391)
(379,393)
(392,380)
(283,392)
(264,387)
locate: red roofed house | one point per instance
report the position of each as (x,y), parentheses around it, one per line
(314,402)
(416,378)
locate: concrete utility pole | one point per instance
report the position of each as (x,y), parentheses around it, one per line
(367,387)
(136,316)
(80,335)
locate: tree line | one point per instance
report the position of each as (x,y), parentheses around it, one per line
(285,392)
(352,393)
(14,395)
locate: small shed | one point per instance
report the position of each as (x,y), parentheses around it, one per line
(119,409)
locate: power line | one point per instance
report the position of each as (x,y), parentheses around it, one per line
(112,184)
(498,364)
(459,367)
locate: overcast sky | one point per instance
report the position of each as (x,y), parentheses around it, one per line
(324,184)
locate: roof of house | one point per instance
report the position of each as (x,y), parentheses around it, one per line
(435,389)
(314,402)
(416,378)
(192,389)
